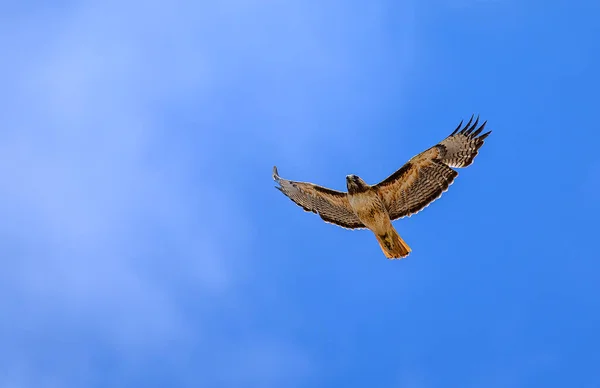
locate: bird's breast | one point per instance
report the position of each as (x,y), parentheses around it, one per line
(361,201)
(370,209)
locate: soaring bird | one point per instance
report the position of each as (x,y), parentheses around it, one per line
(407,191)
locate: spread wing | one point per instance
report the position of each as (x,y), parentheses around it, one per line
(333,206)
(426,176)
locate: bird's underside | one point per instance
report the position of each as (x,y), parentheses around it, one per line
(407,191)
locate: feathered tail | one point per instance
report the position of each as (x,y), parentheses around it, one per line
(392,245)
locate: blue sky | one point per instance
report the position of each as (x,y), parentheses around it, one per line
(143,243)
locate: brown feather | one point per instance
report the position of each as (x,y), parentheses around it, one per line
(425,177)
(331,205)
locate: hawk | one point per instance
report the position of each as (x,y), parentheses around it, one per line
(407,191)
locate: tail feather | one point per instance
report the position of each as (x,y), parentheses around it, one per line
(392,245)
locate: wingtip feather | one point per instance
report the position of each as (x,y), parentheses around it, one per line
(468,129)
(478,131)
(457,128)
(468,123)
(485,135)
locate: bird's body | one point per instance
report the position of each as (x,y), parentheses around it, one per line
(371,211)
(413,187)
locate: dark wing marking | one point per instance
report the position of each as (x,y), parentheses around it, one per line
(428,175)
(331,205)
(417,184)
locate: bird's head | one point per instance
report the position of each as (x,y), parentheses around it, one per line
(355,184)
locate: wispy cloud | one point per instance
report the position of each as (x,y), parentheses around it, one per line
(114,213)
(101,227)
